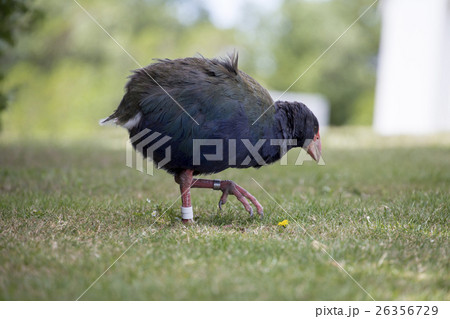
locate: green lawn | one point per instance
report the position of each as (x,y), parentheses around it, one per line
(379,207)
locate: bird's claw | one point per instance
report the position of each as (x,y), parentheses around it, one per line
(230,187)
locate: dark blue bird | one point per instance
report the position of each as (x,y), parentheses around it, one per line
(212,116)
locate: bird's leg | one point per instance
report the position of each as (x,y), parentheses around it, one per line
(185,180)
(229,187)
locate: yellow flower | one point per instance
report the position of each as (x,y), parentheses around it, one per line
(284,223)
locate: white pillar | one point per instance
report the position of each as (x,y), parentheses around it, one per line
(413,83)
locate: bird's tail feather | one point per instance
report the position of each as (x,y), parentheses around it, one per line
(107,121)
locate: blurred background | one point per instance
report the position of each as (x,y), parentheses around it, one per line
(61,73)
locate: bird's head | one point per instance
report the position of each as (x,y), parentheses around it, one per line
(302,125)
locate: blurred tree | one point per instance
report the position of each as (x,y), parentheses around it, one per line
(67,73)
(303,30)
(16,16)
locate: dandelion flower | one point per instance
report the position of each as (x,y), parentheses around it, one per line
(284,223)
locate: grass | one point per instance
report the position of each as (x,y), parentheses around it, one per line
(379,207)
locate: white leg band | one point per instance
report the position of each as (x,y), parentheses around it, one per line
(187,213)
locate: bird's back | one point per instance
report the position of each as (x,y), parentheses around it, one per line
(195,98)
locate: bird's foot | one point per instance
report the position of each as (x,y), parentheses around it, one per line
(230,187)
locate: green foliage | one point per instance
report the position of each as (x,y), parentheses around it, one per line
(16,16)
(68,73)
(303,32)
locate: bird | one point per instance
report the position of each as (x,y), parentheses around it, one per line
(199,116)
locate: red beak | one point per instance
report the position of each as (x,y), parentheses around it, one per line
(315,148)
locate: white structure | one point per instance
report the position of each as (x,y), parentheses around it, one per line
(413,84)
(317,103)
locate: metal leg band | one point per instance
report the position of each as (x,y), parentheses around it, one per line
(216,185)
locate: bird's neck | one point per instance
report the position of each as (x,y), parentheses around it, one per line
(285,118)
(281,137)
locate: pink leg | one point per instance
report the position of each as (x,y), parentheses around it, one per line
(185,181)
(229,187)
